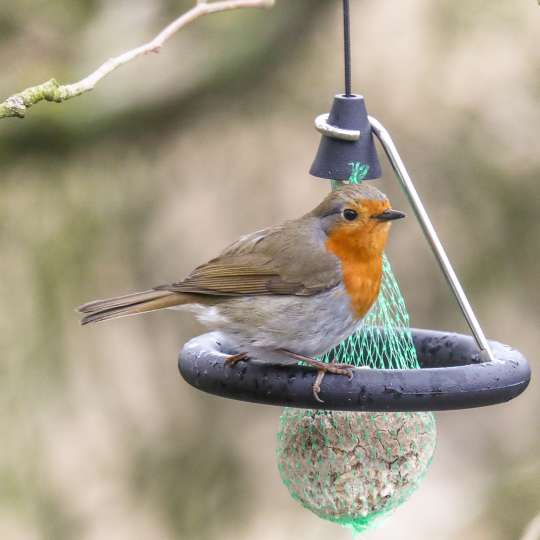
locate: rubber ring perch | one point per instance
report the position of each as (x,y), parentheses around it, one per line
(452,376)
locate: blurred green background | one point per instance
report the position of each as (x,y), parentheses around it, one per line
(176,155)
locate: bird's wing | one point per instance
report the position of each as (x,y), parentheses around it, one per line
(287,259)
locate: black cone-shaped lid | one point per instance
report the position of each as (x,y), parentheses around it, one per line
(335,156)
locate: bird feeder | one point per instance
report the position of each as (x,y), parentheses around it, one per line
(456,371)
(348,467)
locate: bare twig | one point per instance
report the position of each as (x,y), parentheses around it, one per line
(17,104)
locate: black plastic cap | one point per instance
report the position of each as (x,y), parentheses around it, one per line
(335,156)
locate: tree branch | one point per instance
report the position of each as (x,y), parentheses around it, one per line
(17,104)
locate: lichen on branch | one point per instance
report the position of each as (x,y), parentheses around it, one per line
(18,104)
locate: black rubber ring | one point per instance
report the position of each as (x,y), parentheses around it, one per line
(452,376)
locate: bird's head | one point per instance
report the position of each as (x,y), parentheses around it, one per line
(356,219)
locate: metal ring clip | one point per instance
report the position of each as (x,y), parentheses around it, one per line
(323,127)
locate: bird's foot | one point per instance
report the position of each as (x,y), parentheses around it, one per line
(337,369)
(322,369)
(233,359)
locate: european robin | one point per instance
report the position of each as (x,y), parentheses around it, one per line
(296,289)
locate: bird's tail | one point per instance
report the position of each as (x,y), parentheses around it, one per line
(130,304)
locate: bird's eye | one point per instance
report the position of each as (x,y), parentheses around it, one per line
(349,214)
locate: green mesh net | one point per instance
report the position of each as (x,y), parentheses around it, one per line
(384,340)
(354,468)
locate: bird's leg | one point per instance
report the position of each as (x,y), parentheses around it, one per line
(323,368)
(332,367)
(317,385)
(234,358)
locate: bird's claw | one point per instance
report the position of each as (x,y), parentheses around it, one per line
(341,369)
(347,370)
(234,358)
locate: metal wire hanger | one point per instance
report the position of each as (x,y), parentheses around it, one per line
(407,185)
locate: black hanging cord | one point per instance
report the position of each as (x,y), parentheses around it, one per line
(347,47)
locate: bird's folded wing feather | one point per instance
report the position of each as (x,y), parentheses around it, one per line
(272,261)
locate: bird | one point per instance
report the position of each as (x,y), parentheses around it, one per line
(291,291)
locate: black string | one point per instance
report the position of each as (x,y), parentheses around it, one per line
(347,46)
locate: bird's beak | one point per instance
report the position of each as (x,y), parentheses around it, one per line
(389,215)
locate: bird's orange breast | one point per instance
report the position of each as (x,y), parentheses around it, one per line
(361,266)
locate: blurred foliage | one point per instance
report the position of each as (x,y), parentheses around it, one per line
(513,499)
(501,213)
(455,20)
(30,500)
(197,487)
(63,230)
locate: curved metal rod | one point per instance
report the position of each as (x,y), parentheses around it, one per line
(431,235)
